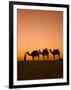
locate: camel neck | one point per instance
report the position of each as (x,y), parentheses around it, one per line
(29,54)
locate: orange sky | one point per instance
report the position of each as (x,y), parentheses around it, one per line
(38,29)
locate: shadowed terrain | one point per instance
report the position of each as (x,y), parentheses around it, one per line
(31,70)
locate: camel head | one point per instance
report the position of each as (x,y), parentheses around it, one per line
(40,51)
(27,52)
(50,50)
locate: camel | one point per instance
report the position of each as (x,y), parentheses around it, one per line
(55,52)
(44,53)
(34,53)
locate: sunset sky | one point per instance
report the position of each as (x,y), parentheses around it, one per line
(38,29)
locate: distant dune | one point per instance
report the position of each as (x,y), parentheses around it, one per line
(31,70)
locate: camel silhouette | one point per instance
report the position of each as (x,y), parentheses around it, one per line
(55,52)
(34,54)
(44,53)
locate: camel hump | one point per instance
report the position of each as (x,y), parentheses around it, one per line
(56,51)
(45,50)
(35,52)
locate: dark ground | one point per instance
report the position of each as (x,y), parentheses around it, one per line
(31,70)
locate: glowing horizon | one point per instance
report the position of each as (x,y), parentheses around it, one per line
(38,29)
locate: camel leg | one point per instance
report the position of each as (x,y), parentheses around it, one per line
(33,58)
(43,58)
(38,58)
(47,57)
(59,56)
(54,56)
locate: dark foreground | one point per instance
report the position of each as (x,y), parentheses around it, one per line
(31,70)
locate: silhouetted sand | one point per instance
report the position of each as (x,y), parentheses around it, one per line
(31,70)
